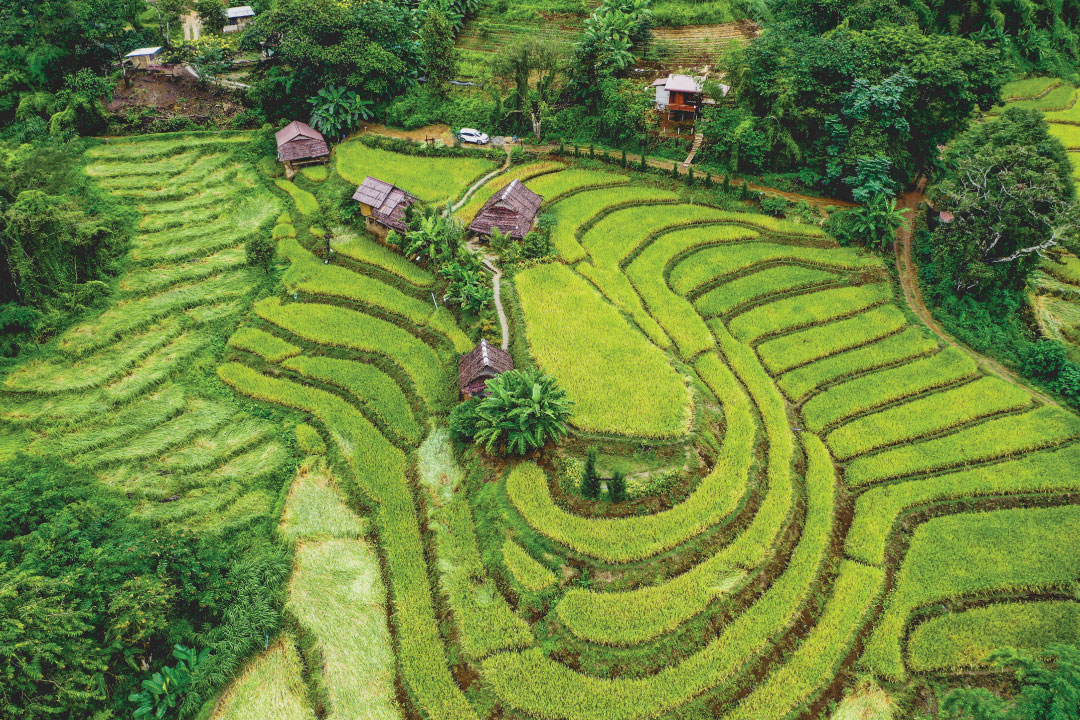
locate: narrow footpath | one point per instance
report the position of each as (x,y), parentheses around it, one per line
(909,281)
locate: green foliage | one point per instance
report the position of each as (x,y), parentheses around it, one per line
(259,252)
(616,487)
(324,43)
(437,54)
(336,111)
(164,690)
(1001,225)
(523,410)
(211,15)
(468,288)
(893,95)
(60,237)
(48,41)
(590,480)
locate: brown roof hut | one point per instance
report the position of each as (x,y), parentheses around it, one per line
(512,209)
(300,144)
(383,204)
(475,368)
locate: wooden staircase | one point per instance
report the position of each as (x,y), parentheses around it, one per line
(698,139)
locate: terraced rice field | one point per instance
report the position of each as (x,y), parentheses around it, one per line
(123,391)
(829,491)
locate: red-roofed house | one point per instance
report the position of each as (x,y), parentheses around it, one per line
(512,210)
(383,205)
(300,144)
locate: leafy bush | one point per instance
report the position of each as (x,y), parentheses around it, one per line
(522,411)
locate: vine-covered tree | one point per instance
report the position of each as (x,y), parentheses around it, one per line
(856,110)
(1010,195)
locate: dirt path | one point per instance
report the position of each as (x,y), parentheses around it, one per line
(909,281)
(476,185)
(489,261)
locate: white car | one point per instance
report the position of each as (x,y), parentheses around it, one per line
(471,135)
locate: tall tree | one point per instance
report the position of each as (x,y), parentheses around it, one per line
(437,51)
(533,67)
(368,47)
(211,14)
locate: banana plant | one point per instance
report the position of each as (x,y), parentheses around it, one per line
(165,689)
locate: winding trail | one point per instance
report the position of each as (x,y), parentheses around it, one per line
(476,185)
(909,281)
(489,261)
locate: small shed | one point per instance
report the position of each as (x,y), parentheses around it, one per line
(143,57)
(237,18)
(512,210)
(383,205)
(300,144)
(475,368)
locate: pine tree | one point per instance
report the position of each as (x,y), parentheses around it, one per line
(592,152)
(562,147)
(675,170)
(616,487)
(644,164)
(708,179)
(745,194)
(623,161)
(590,481)
(727,184)
(690,175)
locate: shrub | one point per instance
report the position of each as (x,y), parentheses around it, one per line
(590,480)
(775,206)
(259,252)
(463,420)
(617,487)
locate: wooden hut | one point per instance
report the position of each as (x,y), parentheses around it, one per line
(512,210)
(143,58)
(300,144)
(383,205)
(475,368)
(237,18)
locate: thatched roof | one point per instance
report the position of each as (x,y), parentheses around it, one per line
(512,209)
(483,362)
(387,202)
(300,141)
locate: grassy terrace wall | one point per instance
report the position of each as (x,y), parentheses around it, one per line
(813,475)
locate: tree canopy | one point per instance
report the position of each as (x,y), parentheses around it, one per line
(861,111)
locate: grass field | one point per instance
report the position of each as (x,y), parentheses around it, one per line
(822,494)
